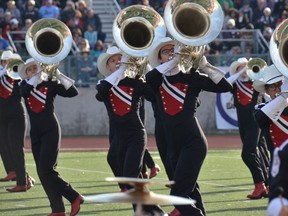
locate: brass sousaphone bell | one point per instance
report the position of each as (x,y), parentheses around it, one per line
(135,29)
(48,41)
(255,68)
(194,23)
(12,68)
(279,47)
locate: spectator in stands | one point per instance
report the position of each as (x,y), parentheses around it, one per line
(5,23)
(48,10)
(232,14)
(247,10)
(91,35)
(15,12)
(77,20)
(98,48)
(156,3)
(85,68)
(77,35)
(284,15)
(27,24)
(227,7)
(58,5)
(242,21)
(84,44)
(14,28)
(93,19)
(266,20)
(279,6)
(68,12)
(4,44)
(258,12)
(30,12)
(82,7)
(231,34)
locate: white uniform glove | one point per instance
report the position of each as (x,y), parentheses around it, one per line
(168,66)
(276,106)
(284,88)
(177,47)
(232,79)
(118,75)
(65,81)
(2,71)
(214,73)
(35,80)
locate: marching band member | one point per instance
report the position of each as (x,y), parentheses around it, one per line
(122,96)
(114,54)
(156,59)
(271,85)
(245,99)
(272,118)
(177,99)
(13,123)
(39,94)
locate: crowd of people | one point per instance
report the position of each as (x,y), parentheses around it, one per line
(85,25)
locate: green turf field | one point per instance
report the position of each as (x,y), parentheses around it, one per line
(224,181)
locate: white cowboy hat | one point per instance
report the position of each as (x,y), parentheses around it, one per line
(236,64)
(270,75)
(16,56)
(154,55)
(103,58)
(275,206)
(23,67)
(7,54)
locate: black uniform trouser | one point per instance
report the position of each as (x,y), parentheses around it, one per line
(250,133)
(162,146)
(45,147)
(12,133)
(187,153)
(130,153)
(264,157)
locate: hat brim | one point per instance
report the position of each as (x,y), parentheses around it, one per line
(259,86)
(235,65)
(23,67)
(153,58)
(102,62)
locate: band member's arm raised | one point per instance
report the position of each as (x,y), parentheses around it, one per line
(275,107)
(214,73)
(65,81)
(117,75)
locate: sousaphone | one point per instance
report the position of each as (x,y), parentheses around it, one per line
(135,30)
(48,41)
(194,23)
(279,47)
